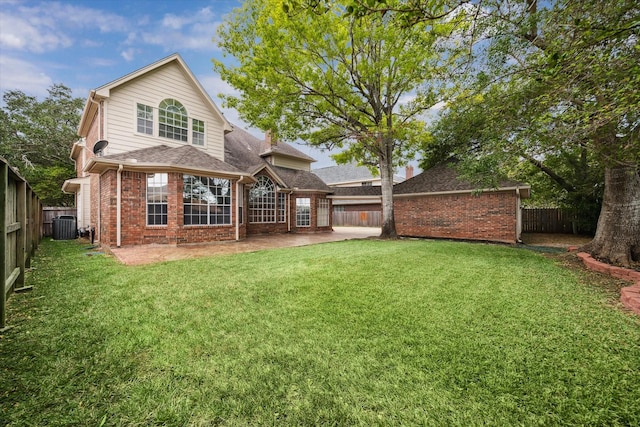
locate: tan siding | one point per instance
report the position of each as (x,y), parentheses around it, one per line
(150,89)
(287,162)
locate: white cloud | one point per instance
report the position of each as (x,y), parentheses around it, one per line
(50,26)
(179,32)
(128,54)
(24,76)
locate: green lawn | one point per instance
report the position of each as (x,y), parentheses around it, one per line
(352,333)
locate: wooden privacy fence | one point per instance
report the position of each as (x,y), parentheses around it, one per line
(20,232)
(549,220)
(358,219)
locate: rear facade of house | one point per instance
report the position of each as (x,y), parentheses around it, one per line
(157,162)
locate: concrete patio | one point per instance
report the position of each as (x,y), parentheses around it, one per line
(147,254)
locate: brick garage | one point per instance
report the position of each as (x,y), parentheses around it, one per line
(439,204)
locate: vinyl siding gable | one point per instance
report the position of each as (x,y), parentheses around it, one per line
(166,82)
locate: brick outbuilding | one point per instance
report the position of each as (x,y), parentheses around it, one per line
(439,203)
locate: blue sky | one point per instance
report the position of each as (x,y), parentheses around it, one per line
(85,44)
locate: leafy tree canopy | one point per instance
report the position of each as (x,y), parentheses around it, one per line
(36,138)
(335,80)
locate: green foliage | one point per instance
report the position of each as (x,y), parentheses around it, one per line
(36,138)
(551,97)
(318,335)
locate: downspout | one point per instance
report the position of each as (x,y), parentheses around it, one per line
(238,207)
(93,94)
(119,205)
(289,212)
(518,217)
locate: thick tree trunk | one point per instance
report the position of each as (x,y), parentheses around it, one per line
(386,176)
(617,239)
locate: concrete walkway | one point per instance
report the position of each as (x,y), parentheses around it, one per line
(147,254)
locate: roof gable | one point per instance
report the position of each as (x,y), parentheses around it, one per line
(104,91)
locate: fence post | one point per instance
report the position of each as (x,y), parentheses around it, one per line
(4,182)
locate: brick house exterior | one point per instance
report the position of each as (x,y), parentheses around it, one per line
(175,171)
(438,203)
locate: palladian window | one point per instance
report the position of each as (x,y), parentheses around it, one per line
(262,201)
(173,120)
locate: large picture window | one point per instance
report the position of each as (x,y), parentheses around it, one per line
(172,117)
(303,212)
(323,212)
(207,201)
(157,198)
(262,201)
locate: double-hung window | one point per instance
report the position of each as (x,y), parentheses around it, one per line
(323,212)
(206,200)
(157,198)
(197,132)
(144,116)
(303,212)
(282,207)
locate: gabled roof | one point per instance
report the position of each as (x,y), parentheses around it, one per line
(105,90)
(347,173)
(163,158)
(246,152)
(443,178)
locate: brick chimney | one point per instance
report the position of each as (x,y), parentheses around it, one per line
(408,172)
(270,139)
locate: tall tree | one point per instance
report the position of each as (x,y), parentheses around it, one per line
(336,81)
(568,75)
(36,137)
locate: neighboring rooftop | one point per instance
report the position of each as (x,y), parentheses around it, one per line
(349,174)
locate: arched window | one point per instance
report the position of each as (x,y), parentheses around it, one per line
(262,201)
(173,120)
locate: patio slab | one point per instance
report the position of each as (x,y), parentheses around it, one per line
(148,254)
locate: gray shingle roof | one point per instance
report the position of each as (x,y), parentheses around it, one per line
(246,152)
(442,178)
(349,172)
(185,156)
(303,180)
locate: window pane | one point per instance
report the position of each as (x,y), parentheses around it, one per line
(303,212)
(206,200)
(157,196)
(172,117)
(144,115)
(323,213)
(262,201)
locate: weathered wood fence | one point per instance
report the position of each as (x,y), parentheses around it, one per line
(550,220)
(358,219)
(20,232)
(49,213)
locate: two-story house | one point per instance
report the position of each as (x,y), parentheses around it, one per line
(157,162)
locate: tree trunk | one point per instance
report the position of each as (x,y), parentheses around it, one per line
(386,176)
(617,239)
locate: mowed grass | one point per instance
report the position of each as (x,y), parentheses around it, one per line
(352,333)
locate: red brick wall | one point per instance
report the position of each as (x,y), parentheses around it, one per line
(134,230)
(488,216)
